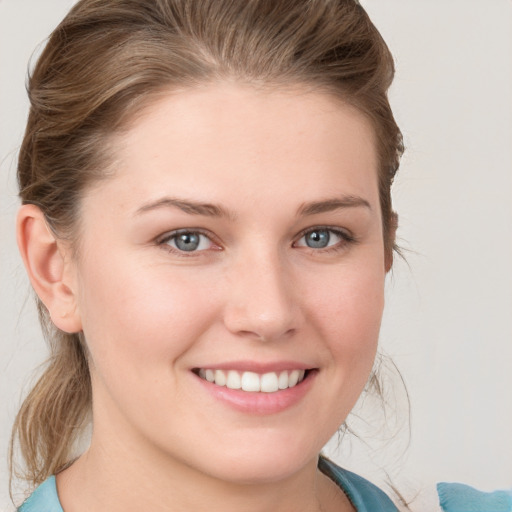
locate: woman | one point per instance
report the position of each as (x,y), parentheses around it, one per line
(207,224)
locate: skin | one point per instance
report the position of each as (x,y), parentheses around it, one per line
(254,291)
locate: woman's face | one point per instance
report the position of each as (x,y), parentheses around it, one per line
(239,240)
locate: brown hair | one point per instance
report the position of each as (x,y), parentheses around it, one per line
(104,63)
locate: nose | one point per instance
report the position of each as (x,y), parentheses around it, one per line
(261,302)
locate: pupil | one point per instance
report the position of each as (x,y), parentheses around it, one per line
(187,241)
(318,239)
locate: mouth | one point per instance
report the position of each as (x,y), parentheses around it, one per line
(252,382)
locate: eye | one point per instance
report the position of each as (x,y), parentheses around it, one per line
(322,238)
(187,241)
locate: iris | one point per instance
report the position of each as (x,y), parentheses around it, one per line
(317,239)
(187,241)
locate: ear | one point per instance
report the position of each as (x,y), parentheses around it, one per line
(48,265)
(393,226)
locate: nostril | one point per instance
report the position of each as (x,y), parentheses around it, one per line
(267,335)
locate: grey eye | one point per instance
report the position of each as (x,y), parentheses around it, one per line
(317,239)
(323,238)
(189,241)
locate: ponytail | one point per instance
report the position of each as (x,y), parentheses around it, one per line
(55,412)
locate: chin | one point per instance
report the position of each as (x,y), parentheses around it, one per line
(261,464)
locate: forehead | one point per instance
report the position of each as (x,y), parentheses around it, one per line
(222,138)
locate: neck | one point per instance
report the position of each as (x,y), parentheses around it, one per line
(97,481)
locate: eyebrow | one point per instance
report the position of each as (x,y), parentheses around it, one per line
(213,210)
(330,205)
(188,206)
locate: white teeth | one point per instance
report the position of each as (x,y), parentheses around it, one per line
(250,381)
(293,378)
(233,381)
(220,378)
(269,383)
(283,380)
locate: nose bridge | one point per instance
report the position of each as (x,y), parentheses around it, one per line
(261,302)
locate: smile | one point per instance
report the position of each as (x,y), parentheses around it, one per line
(270,382)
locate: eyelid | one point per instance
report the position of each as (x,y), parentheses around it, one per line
(345,235)
(161,240)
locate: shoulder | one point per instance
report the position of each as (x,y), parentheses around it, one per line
(43,499)
(365,496)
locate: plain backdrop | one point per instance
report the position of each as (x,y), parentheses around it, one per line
(448,318)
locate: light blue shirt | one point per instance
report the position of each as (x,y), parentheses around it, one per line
(365,496)
(43,499)
(454,497)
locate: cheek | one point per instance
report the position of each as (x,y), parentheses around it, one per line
(345,312)
(133,319)
(348,310)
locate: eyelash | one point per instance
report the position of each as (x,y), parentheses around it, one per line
(164,240)
(345,237)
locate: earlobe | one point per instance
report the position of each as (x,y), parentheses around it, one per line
(47,261)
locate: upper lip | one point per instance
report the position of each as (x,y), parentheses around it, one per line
(257,367)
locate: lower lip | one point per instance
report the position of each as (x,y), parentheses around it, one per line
(259,402)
